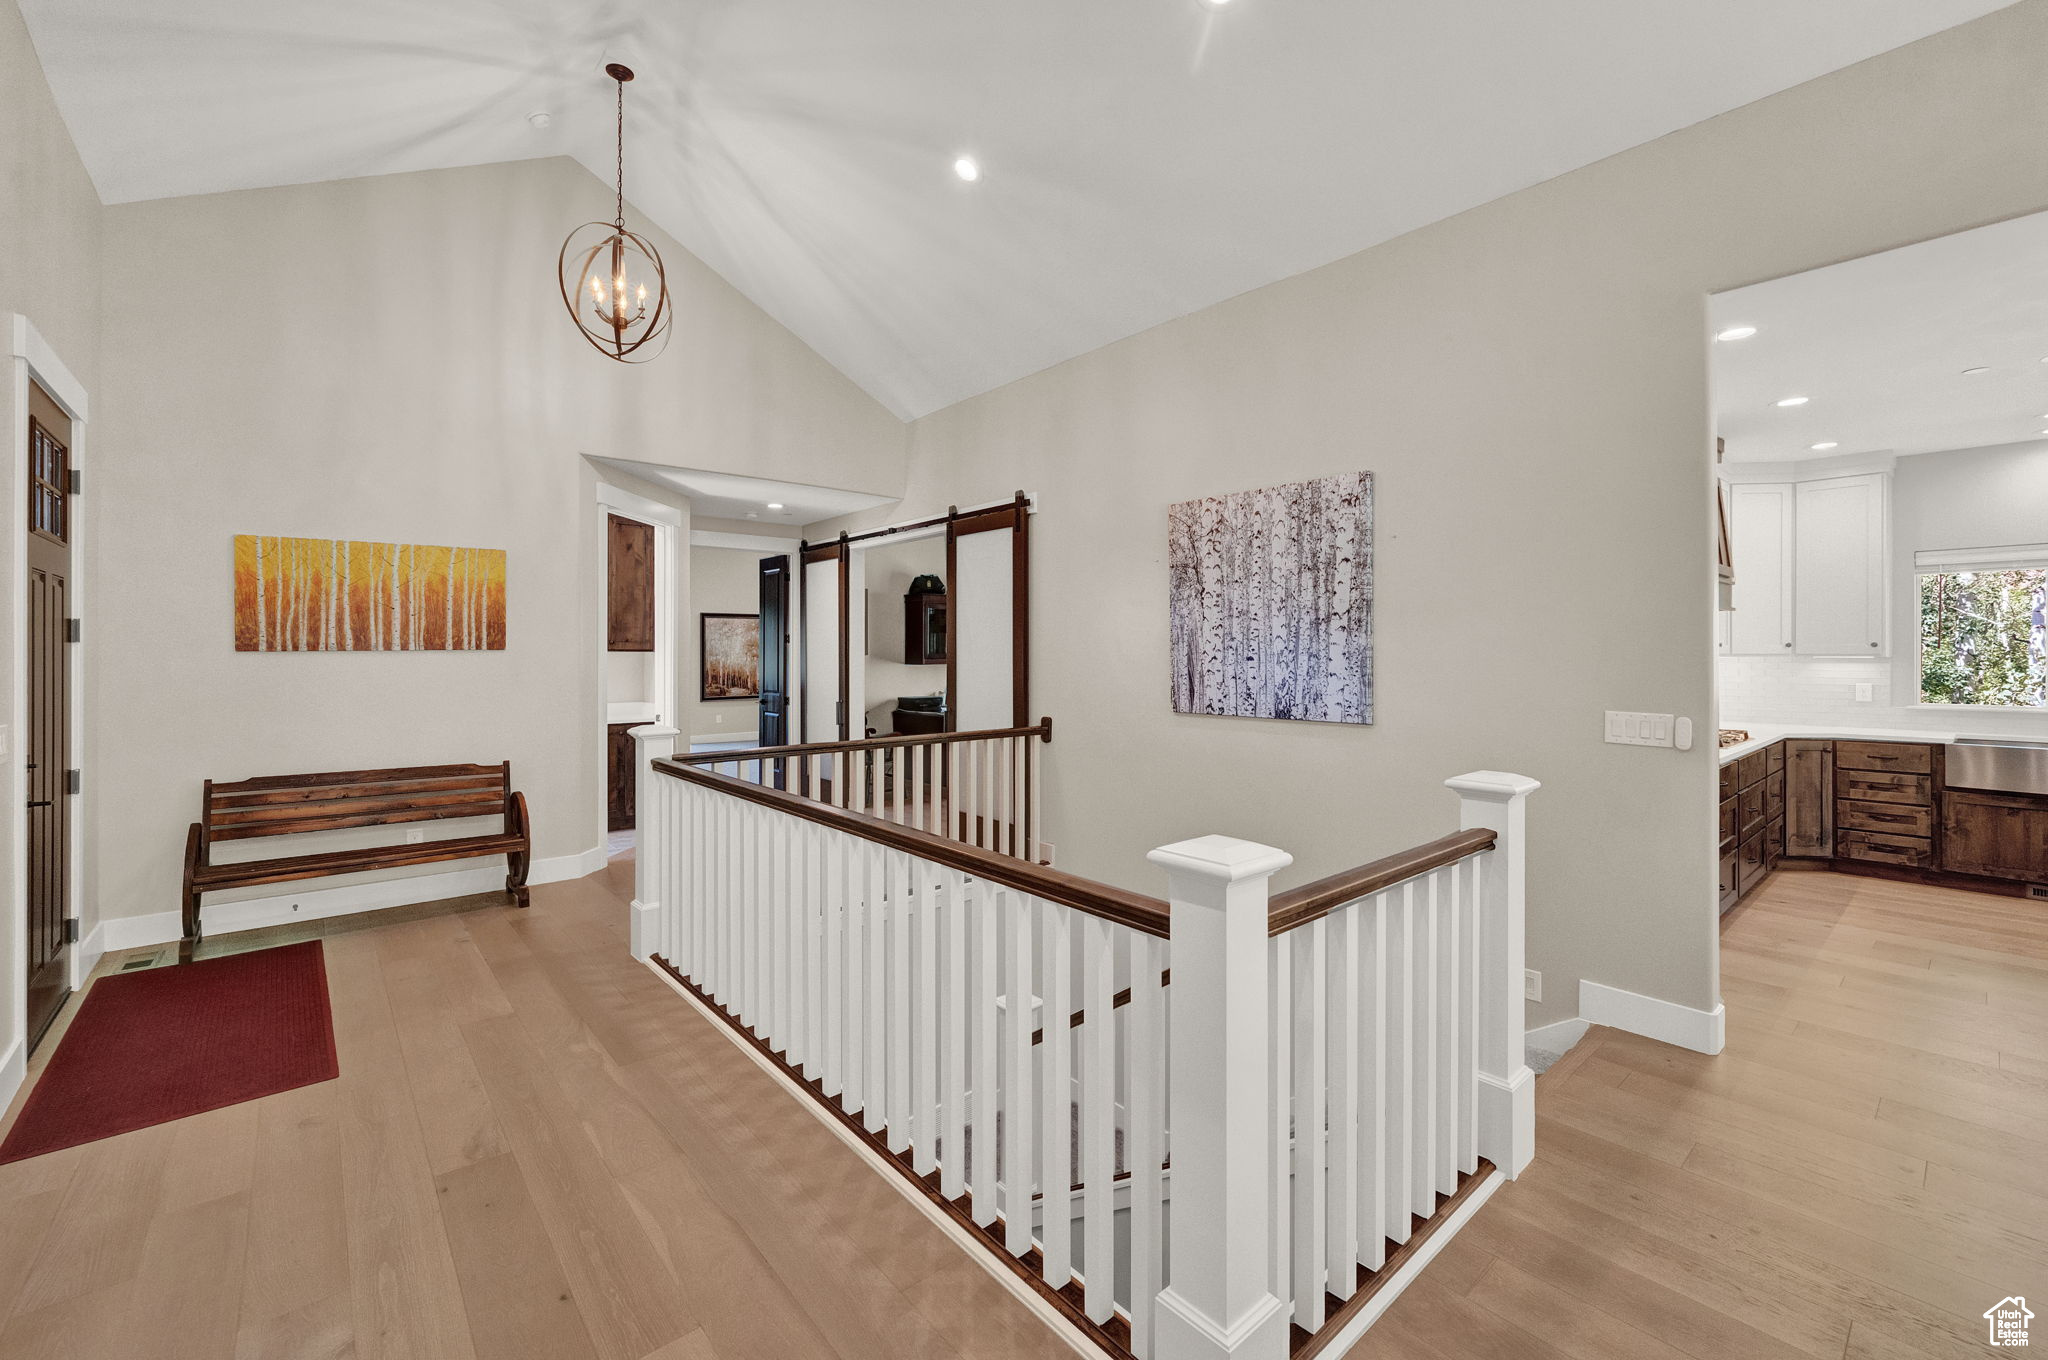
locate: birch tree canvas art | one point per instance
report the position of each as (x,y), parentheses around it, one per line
(345,595)
(1270,594)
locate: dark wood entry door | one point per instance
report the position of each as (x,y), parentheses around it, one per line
(47,743)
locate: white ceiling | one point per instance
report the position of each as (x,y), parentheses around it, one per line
(1142,158)
(722,495)
(1879,345)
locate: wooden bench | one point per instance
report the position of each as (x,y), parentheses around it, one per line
(285,805)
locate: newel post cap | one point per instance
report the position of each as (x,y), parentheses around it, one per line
(1224,858)
(1494,786)
(652,732)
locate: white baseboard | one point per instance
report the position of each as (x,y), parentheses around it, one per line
(13,1071)
(1559,1038)
(87,955)
(1665,1021)
(313,904)
(641,926)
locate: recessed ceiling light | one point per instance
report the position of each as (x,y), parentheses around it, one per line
(1973,372)
(1793,401)
(1736,333)
(775,505)
(1830,444)
(540,118)
(967,168)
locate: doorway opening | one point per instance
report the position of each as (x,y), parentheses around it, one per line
(639,596)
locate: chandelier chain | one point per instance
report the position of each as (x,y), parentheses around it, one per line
(621,129)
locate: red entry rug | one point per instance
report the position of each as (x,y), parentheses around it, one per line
(158,1045)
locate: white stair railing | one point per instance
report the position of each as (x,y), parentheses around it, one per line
(1337,1059)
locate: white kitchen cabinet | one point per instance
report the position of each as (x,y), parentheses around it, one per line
(1838,577)
(1760,516)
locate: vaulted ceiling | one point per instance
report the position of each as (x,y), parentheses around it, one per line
(1140,159)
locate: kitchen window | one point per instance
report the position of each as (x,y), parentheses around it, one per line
(1984,627)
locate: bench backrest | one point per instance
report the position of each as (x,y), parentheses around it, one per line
(286,804)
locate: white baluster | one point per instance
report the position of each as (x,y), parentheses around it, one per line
(1506,1088)
(842,882)
(1097,1091)
(987,939)
(1145,1142)
(883,895)
(902,870)
(1341,1215)
(924,1075)
(951,1018)
(864,900)
(1035,778)
(1450,1007)
(1311,1146)
(1422,1053)
(1280,1103)
(1055,1096)
(1372,1080)
(1400,1121)
(1019,1108)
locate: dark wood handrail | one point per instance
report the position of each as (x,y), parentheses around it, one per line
(746,754)
(1312,901)
(1131,909)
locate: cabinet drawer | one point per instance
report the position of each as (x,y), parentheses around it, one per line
(1879,848)
(1749,863)
(1753,812)
(1730,823)
(1884,755)
(1881,787)
(1774,795)
(1774,842)
(1890,818)
(1774,757)
(1728,779)
(1730,890)
(1751,769)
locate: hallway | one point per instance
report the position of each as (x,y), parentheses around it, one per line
(537,1149)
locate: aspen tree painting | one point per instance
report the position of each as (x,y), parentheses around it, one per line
(1270,599)
(342,595)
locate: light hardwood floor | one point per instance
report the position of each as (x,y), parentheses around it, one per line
(536,1149)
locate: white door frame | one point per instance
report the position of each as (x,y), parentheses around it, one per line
(667,522)
(33,358)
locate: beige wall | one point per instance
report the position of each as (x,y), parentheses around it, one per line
(387,359)
(50,256)
(722,581)
(1528,381)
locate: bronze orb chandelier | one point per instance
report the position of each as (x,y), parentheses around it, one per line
(612,279)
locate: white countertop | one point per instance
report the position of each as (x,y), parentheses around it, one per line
(1761,735)
(629,713)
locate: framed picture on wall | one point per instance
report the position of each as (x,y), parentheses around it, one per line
(729,656)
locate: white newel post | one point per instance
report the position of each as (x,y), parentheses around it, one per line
(1498,802)
(653,840)
(1216,1303)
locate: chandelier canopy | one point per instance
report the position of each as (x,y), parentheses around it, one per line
(612,279)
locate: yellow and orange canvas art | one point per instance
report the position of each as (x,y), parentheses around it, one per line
(344,595)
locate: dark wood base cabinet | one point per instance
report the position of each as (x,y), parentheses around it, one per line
(621,781)
(1880,809)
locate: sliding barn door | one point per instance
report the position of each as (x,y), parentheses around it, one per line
(987,669)
(824,659)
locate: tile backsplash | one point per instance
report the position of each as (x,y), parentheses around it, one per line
(1821,691)
(1800,689)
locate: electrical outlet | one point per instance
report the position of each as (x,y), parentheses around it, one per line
(415,835)
(1532,985)
(1863,692)
(719,718)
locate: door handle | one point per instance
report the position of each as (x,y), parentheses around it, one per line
(42,802)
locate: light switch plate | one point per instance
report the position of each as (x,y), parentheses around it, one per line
(1640,729)
(1532,985)
(1863,692)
